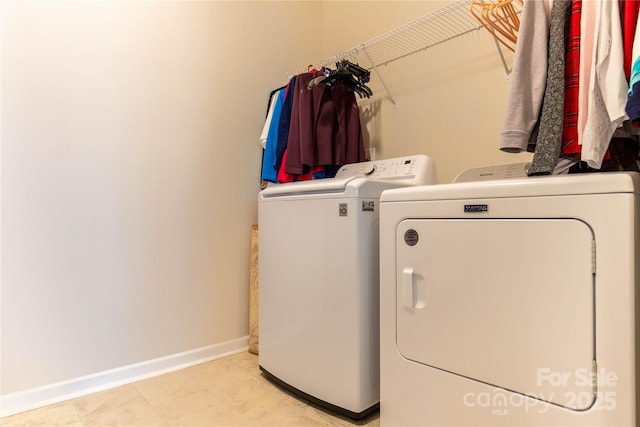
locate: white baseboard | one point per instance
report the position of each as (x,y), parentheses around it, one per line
(26,400)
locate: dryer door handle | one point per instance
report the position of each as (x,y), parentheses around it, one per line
(408,288)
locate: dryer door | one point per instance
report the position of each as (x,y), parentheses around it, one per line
(508,302)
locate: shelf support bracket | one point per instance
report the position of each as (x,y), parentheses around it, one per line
(375,68)
(504,62)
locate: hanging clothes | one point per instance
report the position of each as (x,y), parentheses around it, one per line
(283,141)
(317,172)
(617,151)
(528,78)
(325,126)
(587,47)
(607,87)
(269,169)
(633,97)
(285,122)
(313,129)
(549,140)
(570,143)
(592,98)
(267,123)
(629,10)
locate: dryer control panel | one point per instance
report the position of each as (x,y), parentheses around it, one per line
(513,170)
(414,170)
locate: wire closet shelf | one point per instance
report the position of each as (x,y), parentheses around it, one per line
(444,24)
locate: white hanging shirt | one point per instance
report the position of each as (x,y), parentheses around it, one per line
(267,123)
(607,88)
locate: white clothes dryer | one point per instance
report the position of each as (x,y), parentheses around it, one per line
(511,302)
(318,275)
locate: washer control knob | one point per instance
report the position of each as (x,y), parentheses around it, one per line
(368,170)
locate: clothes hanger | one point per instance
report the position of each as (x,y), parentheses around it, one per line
(355,77)
(351,75)
(506,20)
(500,18)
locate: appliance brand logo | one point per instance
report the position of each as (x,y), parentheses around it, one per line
(476,208)
(411,237)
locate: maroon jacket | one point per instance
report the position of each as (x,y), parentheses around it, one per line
(325,126)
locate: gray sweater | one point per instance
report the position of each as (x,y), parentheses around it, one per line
(528,78)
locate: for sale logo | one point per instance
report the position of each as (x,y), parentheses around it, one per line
(600,381)
(597,392)
(499,401)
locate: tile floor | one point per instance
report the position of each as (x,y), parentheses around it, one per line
(225,392)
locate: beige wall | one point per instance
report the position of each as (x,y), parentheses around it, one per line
(450,98)
(130,171)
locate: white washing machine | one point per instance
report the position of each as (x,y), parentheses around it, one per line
(318,275)
(511,302)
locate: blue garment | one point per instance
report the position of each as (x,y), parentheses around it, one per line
(633,100)
(285,120)
(269,170)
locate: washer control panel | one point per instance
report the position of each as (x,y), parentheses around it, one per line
(416,169)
